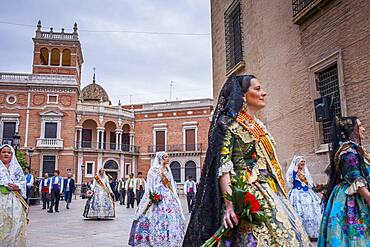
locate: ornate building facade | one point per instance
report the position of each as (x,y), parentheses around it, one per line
(300,51)
(81,131)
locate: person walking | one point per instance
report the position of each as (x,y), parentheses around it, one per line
(55,188)
(346,218)
(130,188)
(122,190)
(190,190)
(162,223)
(13,207)
(140,187)
(69,189)
(101,204)
(44,190)
(240,145)
(29,180)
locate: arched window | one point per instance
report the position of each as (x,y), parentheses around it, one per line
(55,56)
(44,56)
(111,164)
(66,58)
(191,170)
(176,171)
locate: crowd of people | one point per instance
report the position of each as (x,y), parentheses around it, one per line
(241,150)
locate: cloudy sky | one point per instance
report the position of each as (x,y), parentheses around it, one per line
(127,63)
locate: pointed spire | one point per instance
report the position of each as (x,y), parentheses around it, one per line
(39,25)
(94,75)
(75,27)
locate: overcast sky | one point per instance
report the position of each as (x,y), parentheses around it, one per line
(141,65)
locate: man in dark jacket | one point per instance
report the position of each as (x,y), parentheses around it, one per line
(69,189)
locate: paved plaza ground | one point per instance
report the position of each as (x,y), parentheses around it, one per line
(70,228)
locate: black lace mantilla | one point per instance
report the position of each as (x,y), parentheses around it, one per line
(206,215)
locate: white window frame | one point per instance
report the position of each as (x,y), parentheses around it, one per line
(190,126)
(8,117)
(160,127)
(50,102)
(11,103)
(42,163)
(93,169)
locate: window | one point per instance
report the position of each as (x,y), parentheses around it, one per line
(125,142)
(9,129)
(52,99)
(299,5)
(48,164)
(160,140)
(44,56)
(11,99)
(89,168)
(128,168)
(327,83)
(51,130)
(111,164)
(191,170)
(176,171)
(233,35)
(112,140)
(86,138)
(66,58)
(55,57)
(190,139)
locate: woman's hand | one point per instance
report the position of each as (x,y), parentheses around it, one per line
(230,218)
(13,187)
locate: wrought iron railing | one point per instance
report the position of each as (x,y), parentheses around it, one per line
(175,148)
(299,5)
(106,146)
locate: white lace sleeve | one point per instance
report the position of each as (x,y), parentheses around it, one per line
(352,189)
(227,167)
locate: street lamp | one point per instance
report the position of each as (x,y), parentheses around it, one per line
(30,153)
(16,139)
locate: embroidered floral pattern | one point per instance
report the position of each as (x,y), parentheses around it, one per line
(346,219)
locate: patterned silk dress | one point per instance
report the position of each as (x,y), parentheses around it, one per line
(12,212)
(346,220)
(101,204)
(249,149)
(162,224)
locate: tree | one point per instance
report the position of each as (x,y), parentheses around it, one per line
(21,157)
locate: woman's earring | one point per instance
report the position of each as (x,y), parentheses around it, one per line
(245,106)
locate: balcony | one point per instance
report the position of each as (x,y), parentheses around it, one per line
(176,148)
(106,146)
(303,9)
(49,143)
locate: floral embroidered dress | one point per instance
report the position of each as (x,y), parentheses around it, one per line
(346,220)
(303,199)
(161,225)
(13,220)
(248,147)
(101,204)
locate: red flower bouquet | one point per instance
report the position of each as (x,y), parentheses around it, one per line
(155,198)
(247,206)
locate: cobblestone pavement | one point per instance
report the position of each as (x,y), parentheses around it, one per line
(70,228)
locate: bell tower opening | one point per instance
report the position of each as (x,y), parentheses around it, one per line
(57,52)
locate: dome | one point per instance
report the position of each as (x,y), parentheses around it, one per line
(95,93)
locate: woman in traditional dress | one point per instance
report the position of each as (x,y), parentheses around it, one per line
(101,204)
(161,224)
(304,200)
(346,220)
(13,207)
(240,144)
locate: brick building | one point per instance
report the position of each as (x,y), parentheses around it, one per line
(300,50)
(81,131)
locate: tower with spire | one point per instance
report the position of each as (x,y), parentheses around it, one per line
(57,52)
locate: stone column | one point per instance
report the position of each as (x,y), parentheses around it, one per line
(132,142)
(118,135)
(60,58)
